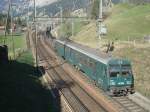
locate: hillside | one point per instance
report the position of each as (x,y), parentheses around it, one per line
(125,24)
(128,21)
(45,6)
(65,4)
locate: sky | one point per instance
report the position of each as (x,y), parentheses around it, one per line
(44,2)
(38,2)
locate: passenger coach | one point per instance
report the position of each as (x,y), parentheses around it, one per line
(111,74)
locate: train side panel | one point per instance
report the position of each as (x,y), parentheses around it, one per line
(102,77)
(95,70)
(60,49)
(81,60)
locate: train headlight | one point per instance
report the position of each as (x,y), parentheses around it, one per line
(128,82)
(120,83)
(112,82)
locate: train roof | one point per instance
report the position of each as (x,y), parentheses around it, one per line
(93,53)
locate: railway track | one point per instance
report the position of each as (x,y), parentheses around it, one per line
(124,103)
(65,107)
(127,105)
(68,77)
(74,95)
(72,100)
(57,94)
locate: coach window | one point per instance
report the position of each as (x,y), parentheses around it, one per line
(71,50)
(87,60)
(79,57)
(93,65)
(81,60)
(84,61)
(90,63)
(59,46)
(76,55)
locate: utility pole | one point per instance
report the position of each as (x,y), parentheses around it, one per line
(61,16)
(27,22)
(28,18)
(36,60)
(34,10)
(72,19)
(7,22)
(100,17)
(13,44)
(72,28)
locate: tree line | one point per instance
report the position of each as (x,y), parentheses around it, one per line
(5,20)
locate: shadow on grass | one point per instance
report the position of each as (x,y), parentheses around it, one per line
(22,91)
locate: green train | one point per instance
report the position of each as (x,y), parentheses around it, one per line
(111,74)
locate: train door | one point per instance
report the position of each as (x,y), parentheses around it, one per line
(94,71)
(105,78)
(67,53)
(72,56)
(101,76)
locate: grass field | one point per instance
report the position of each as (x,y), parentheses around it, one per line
(21,88)
(128,21)
(19,43)
(68,28)
(125,22)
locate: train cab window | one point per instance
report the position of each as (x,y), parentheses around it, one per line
(114,74)
(126,66)
(125,73)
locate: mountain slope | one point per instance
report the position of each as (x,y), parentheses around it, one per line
(126,21)
(65,4)
(129,21)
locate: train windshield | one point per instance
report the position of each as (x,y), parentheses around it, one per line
(122,73)
(126,73)
(125,67)
(117,70)
(114,74)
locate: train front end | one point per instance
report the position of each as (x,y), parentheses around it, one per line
(121,80)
